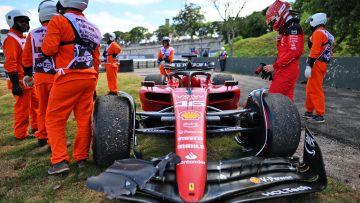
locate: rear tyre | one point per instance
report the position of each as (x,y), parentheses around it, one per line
(219,79)
(284,127)
(157,78)
(113,122)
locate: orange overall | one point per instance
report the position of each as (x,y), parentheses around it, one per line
(72,90)
(165,52)
(315,98)
(112,67)
(25,105)
(43,84)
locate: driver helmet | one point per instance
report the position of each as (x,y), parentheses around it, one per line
(11,15)
(277,14)
(317,19)
(222,48)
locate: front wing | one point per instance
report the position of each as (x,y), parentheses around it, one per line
(241,180)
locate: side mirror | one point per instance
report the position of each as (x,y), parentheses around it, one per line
(148,83)
(231,83)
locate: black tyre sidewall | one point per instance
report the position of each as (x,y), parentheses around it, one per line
(112,129)
(219,79)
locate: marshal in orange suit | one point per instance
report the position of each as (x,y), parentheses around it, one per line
(44,67)
(75,44)
(320,45)
(110,53)
(26,103)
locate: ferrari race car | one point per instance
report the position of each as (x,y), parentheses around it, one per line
(192,105)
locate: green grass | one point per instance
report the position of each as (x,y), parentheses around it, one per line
(265,45)
(23,166)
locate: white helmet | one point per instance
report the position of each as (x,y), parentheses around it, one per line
(110,35)
(11,15)
(47,9)
(78,4)
(317,19)
(222,48)
(166,39)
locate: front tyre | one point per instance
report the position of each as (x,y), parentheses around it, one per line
(113,125)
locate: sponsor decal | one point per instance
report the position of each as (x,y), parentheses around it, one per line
(190,103)
(190,138)
(309,143)
(191,146)
(191,125)
(188,162)
(269,179)
(286,191)
(191,187)
(189,132)
(191,156)
(190,96)
(255,180)
(190,115)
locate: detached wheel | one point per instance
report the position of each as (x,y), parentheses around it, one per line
(157,78)
(112,129)
(284,126)
(220,79)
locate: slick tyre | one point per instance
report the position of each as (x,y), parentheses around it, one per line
(282,120)
(157,78)
(112,129)
(219,79)
(284,124)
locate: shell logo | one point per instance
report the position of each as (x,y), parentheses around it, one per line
(190,115)
(255,180)
(191,187)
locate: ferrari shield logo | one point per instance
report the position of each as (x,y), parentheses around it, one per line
(191,187)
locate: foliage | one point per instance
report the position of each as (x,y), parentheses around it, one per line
(189,20)
(164,30)
(210,28)
(343,21)
(253,25)
(137,34)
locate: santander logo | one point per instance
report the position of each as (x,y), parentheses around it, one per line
(191,156)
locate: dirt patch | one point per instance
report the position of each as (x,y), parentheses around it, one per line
(342,162)
(11,168)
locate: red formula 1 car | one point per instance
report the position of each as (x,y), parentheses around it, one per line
(191,104)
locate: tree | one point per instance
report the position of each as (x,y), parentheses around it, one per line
(210,28)
(343,20)
(229,11)
(137,34)
(164,30)
(189,20)
(123,37)
(253,25)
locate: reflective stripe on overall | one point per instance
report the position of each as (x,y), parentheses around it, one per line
(41,63)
